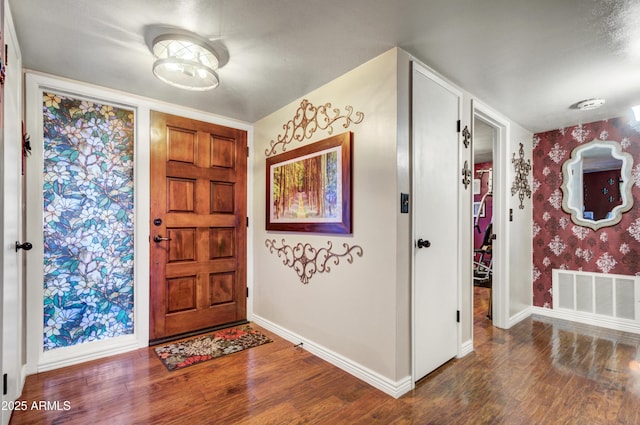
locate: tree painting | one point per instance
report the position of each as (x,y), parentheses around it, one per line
(307,188)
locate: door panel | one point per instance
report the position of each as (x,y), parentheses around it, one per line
(11,274)
(436,179)
(198,230)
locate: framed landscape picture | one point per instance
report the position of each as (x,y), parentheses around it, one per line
(309,188)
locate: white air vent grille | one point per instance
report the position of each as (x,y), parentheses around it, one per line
(608,298)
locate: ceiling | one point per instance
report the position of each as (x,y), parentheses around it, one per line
(530,60)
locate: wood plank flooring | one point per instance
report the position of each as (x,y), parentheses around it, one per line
(539,372)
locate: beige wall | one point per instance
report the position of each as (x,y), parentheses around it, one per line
(353,309)
(403,221)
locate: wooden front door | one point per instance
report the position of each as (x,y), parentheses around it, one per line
(198,225)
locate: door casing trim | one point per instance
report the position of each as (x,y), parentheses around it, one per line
(500,290)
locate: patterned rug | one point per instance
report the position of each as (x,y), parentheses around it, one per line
(196,350)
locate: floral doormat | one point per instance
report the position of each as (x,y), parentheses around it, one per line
(200,349)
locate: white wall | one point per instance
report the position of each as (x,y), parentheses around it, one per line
(520,246)
(351,311)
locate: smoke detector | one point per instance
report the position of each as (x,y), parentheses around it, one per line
(589,104)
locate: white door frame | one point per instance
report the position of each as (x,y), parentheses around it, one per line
(500,251)
(38,359)
(461,225)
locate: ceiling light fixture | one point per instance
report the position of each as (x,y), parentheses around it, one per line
(589,104)
(185,62)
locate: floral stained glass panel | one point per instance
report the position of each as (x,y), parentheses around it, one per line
(88,221)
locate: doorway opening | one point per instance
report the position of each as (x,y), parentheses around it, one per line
(485,136)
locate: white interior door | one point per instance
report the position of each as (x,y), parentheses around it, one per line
(11,226)
(435,218)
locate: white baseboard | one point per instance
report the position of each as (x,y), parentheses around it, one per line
(394,389)
(466,348)
(519,317)
(588,319)
(81,353)
(23,378)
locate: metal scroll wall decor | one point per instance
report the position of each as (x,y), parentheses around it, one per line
(466,171)
(466,175)
(522,169)
(466,136)
(308,119)
(307,260)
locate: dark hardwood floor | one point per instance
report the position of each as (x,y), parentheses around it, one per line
(539,372)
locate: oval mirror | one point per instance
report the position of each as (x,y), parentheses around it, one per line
(596,184)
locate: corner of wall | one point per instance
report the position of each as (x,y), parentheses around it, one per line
(403,220)
(520,238)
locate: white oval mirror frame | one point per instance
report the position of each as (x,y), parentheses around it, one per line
(572,169)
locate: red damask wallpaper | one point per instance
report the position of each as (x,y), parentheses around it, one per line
(557,242)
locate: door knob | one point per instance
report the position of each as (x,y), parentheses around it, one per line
(158,238)
(26,246)
(423,244)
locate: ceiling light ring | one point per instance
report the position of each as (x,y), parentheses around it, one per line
(185,62)
(212,74)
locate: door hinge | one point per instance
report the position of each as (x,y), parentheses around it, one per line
(247,151)
(247,221)
(458,316)
(247,292)
(4,384)
(458,126)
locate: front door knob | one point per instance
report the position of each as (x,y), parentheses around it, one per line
(423,244)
